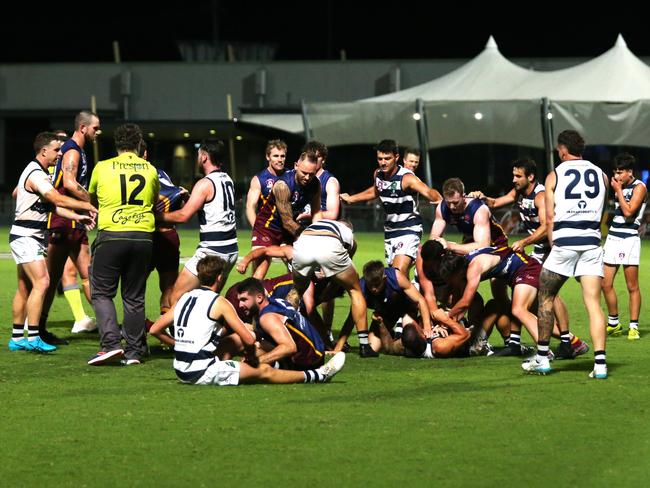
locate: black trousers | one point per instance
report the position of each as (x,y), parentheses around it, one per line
(120,258)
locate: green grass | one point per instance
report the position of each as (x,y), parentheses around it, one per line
(381,422)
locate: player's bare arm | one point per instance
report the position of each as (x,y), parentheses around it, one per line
(283,204)
(549,203)
(495,202)
(366,195)
(69,165)
(412,182)
(202,192)
(439,224)
(482,235)
(638,197)
(285,252)
(273,325)
(253,196)
(540,232)
(417,297)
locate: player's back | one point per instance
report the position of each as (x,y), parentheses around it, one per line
(217,223)
(580,195)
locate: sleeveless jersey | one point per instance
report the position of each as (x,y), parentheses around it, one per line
(580,195)
(266,179)
(217,225)
(195,333)
(126,187)
(529,215)
(305,335)
(82,177)
(465,223)
(30,217)
(622,226)
(323,179)
(269,217)
(401,207)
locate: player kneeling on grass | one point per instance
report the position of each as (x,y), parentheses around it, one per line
(197,318)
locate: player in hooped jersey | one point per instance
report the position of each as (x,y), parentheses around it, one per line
(575,198)
(213,198)
(398,189)
(623,245)
(200,318)
(528,195)
(258,193)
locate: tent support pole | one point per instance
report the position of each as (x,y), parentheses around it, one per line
(424,143)
(547,133)
(305,120)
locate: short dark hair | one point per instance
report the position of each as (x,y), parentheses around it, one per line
(215,149)
(450,264)
(624,160)
(573,141)
(317,148)
(128,137)
(387,146)
(373,272)
(453,185)
(84,117)
(143,148)
(43,139)
(410,150)
(431,250)
(208,269)
(527,164)
(252,286)
(414,344)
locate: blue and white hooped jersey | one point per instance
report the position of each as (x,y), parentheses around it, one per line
(401,207)
(529,215)
(622,226)
(217,225)
(194,331)
(580,195)
(339,230)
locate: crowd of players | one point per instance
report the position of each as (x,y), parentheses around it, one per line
(281,327)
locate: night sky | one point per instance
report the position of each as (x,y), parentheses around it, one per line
(303,30)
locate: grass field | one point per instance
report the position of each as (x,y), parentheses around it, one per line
(382,422)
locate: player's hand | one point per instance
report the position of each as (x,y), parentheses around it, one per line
(440,330)
(616,185)
(428,333)
(476,194)
(518,246)
(445,244)
(345,197)
(242,266)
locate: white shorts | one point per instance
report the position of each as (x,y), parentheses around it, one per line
(403,245)
(313,252)
(28,249)
(625,251)
(220,373)
(568,262)
(201,252)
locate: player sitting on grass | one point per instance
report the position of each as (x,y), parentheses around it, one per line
(197,331)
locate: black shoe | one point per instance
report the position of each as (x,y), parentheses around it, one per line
(510,350)
(565,351)
(50,338)
(365,351)
(346,347)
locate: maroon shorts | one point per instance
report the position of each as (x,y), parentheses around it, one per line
(528,274)
(68,236)
(265,237)
(166,251)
